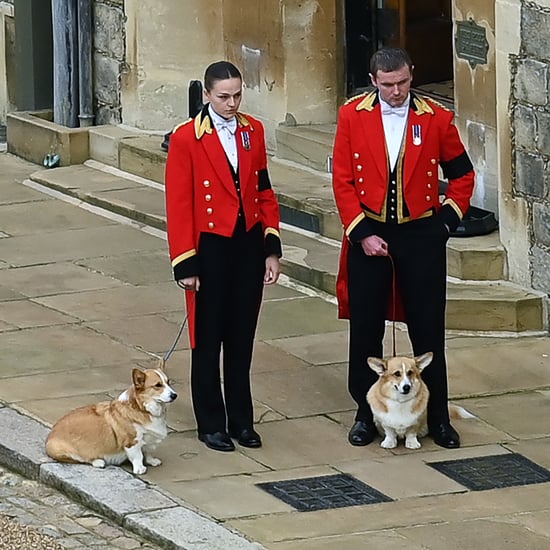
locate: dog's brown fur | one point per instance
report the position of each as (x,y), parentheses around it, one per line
(110,432)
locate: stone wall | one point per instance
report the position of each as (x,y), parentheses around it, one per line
(108,59)
(530,107)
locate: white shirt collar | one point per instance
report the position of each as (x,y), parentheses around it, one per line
(220,122)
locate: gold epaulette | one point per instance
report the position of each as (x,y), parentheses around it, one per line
(435,102)
(242,119)
(177,126)
(352,99)
(421,106)
(368,102)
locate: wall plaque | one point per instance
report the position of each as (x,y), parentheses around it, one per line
(471,42)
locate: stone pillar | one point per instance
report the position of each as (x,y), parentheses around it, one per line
(475,92)
(6,53)
(514,214)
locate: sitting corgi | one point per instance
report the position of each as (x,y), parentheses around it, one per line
(110,432)
(399,400)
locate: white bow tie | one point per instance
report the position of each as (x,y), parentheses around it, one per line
(398,111)
(229,125)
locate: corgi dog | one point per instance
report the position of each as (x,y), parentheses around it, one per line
(127,428)
(399,400)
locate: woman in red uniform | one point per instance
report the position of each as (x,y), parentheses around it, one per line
(223,234)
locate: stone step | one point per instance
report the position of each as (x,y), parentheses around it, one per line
(309,145)
(310,258)
(305,194)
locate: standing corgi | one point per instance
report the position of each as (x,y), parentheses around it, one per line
(110,432)
(399,400)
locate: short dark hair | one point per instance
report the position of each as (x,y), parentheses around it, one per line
(220,70)
(388,60)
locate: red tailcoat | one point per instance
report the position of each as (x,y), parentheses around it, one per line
(201,196)
(361,169)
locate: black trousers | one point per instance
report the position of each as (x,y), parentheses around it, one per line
(418,251)
(227,309)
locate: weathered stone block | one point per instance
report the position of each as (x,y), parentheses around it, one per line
(529,174)
(541,223)
(106,80)
(525,127)
(541,269)
(543,133)
(109,30)
(534,25)
(33,135)
(531,82)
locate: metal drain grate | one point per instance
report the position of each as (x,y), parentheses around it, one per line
(493,472)
(324,493)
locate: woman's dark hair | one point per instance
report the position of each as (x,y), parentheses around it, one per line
(220,70)
(388,60)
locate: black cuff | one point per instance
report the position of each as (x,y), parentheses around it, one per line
(187,268)
(360,231)
(273,246)
(449,217)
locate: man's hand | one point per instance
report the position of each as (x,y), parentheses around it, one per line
(374,245)
(190,283)
(272,270)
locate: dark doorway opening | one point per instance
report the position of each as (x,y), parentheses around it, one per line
(423,27)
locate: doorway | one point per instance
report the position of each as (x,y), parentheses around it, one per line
(423,27)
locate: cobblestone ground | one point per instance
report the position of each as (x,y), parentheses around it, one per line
(33,516)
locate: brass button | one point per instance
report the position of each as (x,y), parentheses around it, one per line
(430,174)
(255,172)
(429,185)
(362,192)
(256,200)
(428,198)
(360,180)
(433,161)
(356,155)
(209,210)
(210,225)
(206,183)
(359,168)
(256,215)
(207,198)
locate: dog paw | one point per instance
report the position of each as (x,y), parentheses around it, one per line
(412,443)
(388,443)
(152,461)
(139,469)
(98,463)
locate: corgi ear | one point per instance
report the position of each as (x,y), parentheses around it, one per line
(422,361)
(377,365)
(138,378)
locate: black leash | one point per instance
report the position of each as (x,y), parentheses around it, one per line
(178,336)
(394,305)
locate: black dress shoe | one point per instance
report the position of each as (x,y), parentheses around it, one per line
(445,435)
(248,438)
(219,441)
(362,433)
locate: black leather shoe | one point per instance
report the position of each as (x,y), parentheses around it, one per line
(248,438)
(219,441)
(445,435)
(362,433)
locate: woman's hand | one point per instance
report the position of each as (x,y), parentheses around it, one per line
(190,283)
(272,270)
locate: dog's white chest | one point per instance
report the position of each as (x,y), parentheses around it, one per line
(400,417)
(154,432)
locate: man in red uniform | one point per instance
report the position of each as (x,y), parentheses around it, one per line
(223,232)
(388,148)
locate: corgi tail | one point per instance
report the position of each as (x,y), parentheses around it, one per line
(456,411)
